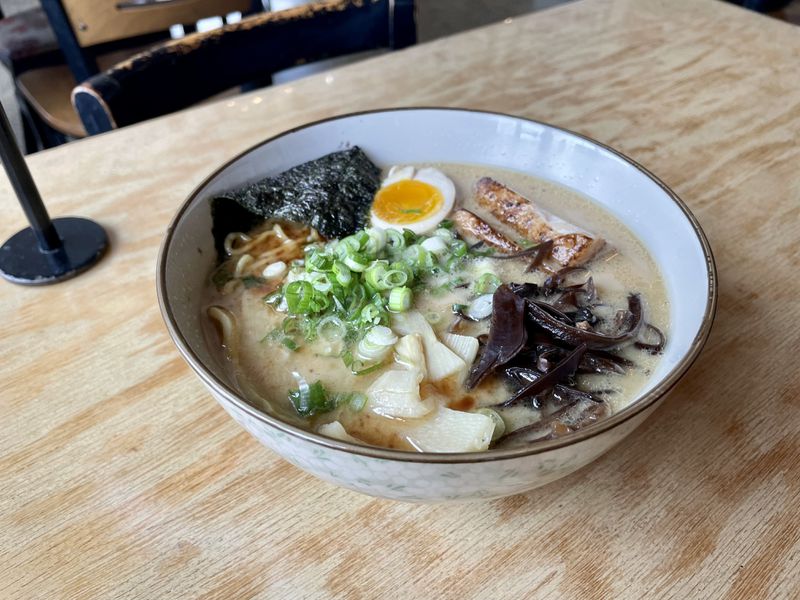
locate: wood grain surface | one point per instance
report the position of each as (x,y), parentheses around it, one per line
(121,478)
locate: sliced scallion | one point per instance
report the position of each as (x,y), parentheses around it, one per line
(487,283)
(400,299)
(376,344)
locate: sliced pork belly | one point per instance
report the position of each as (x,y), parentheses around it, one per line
(472,227)
(572,246)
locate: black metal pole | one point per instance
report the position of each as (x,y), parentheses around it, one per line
(47,251)
(22,182)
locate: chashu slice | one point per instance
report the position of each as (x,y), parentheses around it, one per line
(472,227)
(571,245)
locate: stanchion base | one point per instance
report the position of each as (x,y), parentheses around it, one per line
(23,262)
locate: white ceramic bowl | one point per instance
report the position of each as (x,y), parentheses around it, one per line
(659,218)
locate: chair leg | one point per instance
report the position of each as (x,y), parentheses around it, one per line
(32,138)
(402,24)
(38,134)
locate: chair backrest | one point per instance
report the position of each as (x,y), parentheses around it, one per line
(85,27)
(100,21)
(183,72)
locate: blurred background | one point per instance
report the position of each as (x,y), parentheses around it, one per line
(48,47)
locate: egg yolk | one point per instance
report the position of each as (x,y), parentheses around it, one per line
(406,201)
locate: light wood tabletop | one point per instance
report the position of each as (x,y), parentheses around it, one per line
(121,478)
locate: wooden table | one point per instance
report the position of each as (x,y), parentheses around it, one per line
(121,478)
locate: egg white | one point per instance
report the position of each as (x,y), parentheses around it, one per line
(431,176)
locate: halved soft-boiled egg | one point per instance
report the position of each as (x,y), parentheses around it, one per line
(415,199)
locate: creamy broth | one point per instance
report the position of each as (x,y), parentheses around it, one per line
(265,370)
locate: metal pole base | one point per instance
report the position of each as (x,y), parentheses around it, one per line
(22,260)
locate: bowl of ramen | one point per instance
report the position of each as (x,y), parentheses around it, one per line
(436,304)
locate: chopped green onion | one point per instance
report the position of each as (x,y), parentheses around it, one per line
(394,278)
(320,282)
(451,263)
(372,315)
(291,326)
(348,245)
(374,274)
(376,344)
(459,248)
(487,283)
(418,256)
(356,262)
(341,273)
(357,298)
(331,328)
(316,260)
(376,241)
(395,240)
(410,237)
(400,299)
(309,400)
(480,308)
(358,369)
(345,289)
(444,233)
(435,245)
(299,296)
(362,237)
(290,344)
(405,268)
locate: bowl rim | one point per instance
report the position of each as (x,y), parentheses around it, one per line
(641,404)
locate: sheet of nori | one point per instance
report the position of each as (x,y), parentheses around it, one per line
(332,193)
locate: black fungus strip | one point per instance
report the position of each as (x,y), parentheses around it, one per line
(567,302)
(548,360)
(575,336)
(552,310)
(526,290)
(507,334)
(543,250)
(564,369)
(656,348)
(532,251)
(477,245)
(523,375)
(600,365)
(616,358)
(574,416)
(564,394)
(555,282)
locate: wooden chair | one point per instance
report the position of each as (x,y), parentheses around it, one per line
(96,34)
(183,72)
(27,41)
